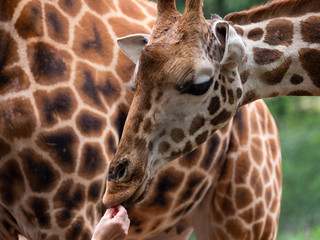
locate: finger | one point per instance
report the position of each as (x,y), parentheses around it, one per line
(120,208)
(108,214)
(126,226)
(122,214)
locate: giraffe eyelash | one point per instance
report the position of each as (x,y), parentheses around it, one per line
(195,89)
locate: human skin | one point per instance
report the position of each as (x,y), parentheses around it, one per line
(113,225)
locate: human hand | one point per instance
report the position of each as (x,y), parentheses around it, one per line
(113,225)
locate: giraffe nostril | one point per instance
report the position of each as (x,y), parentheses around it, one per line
(119,171)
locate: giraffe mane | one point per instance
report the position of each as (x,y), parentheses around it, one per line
(274,9)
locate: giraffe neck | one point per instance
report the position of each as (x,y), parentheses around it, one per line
(282,57)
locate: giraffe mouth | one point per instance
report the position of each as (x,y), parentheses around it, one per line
(121,196)
(138,195)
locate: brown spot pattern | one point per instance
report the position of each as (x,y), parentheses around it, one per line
(242,169)
(230,97)
(226,206)
(256,150)
(255,126)
(151,10)
(279,32)
(57,24)
(266,176)
(17,118)
(217,216)
(242,129)
(235,228)
(223,93)
(268,195)
(100,7)
(222,117)
(191,158)
(109,87)
(310,59)
(92,86)
(201,138)
(29,23)
(92,41)
(255,34)
(167,182)
(268,228)
(296,79)
(48,64)
(123,27)
(257,230)
(110,145)
(243,197)
(90,124)
(247,215)
(140,144)
(197,123)
(8,52)
(95,191)
(119,117)
(131,10)
(264,56)
(72,7)
(244,76)
(7,9)
(163,147)
(239,30)
(276,76)
(12,185)
(56,105)
(259,210)
(300,93)
(41,175)
(4,148)
(40,210)
(177,135)
(256,183)
(13,79)
(68,199)
(310,29)
(62,146)
(147,125)
(194,180)
(239,93)
(93,162)
(125,67)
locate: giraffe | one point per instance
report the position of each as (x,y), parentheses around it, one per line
(64,99)
(192,76)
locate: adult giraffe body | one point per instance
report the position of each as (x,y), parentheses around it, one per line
(63,101)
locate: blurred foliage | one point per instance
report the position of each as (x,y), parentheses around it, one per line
(222,7)
(298,123)
(299,126)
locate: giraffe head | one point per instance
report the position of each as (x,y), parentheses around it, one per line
(186,86)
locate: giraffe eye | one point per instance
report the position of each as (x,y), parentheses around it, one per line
(196,89)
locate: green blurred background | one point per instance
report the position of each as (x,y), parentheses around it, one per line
(299,126)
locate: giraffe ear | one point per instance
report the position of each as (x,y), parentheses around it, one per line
(132,45)
(231,46)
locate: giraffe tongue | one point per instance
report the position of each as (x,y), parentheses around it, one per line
(115,213)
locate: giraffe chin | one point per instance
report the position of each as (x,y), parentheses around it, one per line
(125,198)
(138,196)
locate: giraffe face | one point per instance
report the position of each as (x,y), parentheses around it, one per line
(186,87)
